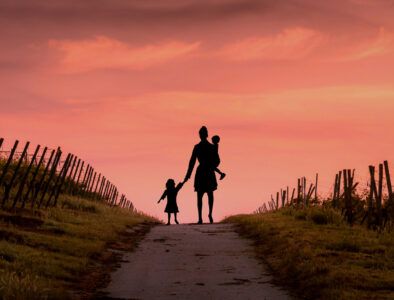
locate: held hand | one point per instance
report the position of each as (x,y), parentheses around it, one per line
(159,201)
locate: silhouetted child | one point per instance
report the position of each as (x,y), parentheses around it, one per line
(171,192)
(215,142)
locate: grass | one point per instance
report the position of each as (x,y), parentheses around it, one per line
(317,256)
(45,252)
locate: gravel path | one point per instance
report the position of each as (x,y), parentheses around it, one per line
(192,262)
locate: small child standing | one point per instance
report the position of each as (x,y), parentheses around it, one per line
(215,142)
(171,192)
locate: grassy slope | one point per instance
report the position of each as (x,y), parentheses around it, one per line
(329,261)
(43,252)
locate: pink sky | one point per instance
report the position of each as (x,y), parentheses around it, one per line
(293,88)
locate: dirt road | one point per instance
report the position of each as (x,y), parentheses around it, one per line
(192,262)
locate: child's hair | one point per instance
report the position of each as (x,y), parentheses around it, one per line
(215,139)
(170,184)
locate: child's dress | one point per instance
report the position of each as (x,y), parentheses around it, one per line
(172,206)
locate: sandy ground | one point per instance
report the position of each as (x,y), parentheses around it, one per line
(192,262)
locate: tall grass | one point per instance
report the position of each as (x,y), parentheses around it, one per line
(42,252)
(318,256)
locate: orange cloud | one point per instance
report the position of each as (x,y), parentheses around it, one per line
(292,43)
(105,53)
(383,44)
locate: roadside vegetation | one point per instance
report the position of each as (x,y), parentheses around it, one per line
(45,252)
(317,255)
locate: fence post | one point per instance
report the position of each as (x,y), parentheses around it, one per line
(22,184)
(100,192)
(61,182)
(97,184)
(62,173)
(51,174)
(11,183)
(93,181)
(379,197)
(30,186)
(317,179)
(80,172)
(388,180)
(5,169)
(84,179)
(38,187)
(1,141)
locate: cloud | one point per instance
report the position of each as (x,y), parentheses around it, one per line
(106,53)
(292,43)
(381,45)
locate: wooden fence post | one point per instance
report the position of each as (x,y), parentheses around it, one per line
(22,184)
(60,177)
(97,184)
(80,172)
(51,174)
(41,181)
(84,178)
(379,197)
(100,192)
(93,182)
(6,166)
(287,194)
(31,184)
(11,183)
(67,166)
(316,181)
(304,191)
(388,181)
(62,173)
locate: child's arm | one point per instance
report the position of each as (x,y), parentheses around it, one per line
(179,186)
(162,196)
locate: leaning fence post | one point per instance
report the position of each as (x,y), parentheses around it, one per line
(31,184)
(22,184)
(60,178)
(388,180)
(61,183)
(51,174)
(38,187)
(5,169)
(11,183)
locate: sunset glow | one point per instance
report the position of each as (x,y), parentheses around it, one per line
(293,88)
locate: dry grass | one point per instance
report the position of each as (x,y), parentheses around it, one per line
(319,257)
(43,252)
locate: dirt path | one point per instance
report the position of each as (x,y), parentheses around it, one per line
(192,262)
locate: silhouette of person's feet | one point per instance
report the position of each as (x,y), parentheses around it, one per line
(168,223)
(176,221)
(222,176)
(210,219)
(199,222)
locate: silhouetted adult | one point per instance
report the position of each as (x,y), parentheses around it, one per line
(205,179)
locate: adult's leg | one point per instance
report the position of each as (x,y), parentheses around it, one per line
(199,206)
(176,220)
(210,203)
(169,217)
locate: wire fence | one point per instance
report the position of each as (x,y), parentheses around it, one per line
(38,179)
(372,201)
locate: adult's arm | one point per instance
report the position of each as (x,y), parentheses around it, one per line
(192,162)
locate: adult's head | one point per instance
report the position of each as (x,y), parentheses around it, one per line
(203,133)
